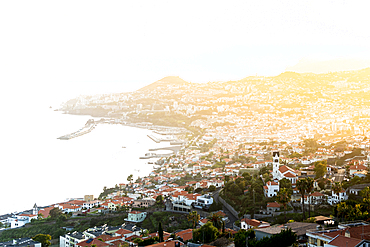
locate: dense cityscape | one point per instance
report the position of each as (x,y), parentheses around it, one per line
(277,160)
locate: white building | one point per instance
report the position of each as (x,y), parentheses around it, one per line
(335,199)
(271,188)
(71,239)
(280,172)
(20,220)
(204,201)
(136,216)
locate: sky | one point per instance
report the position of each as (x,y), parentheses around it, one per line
(61,49)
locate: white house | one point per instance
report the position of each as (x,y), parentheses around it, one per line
(334,198)
(136,216)
(204,201)
(20,220)
(252,223)
(71,239)
(271,188)
(91,204)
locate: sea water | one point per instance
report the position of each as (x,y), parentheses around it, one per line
(36,167)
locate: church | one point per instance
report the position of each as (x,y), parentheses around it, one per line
(280,172)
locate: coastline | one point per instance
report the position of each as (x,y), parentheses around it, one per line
(75,167)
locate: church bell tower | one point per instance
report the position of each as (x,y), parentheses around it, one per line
(275,164)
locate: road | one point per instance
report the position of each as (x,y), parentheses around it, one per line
(339,177)
(231,217)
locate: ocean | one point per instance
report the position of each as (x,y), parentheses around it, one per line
(36,167)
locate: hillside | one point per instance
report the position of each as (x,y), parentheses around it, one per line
(169,81)
(335,65)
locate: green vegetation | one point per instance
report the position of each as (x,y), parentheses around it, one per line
(284,238)
(170,221)
(47,229)
(44,239)
(249,202)
(351,210)
(206,233)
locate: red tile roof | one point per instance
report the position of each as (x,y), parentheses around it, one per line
(185,234)
(166,244)
(342,241)
(90,242)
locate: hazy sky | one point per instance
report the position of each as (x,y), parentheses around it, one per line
(82,47)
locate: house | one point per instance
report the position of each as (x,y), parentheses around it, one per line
(252,223)
(357,168)
(203,221)
(91,204)
(124,233)
(203,202)
(222,214)
(144,203)
(71,239)
(356,189)
(185,235)
(300,228)
(136,216)
(272,207)
(314,198)
(271,188)
(267,232)
(334,198)
(20,220)
(343,241)
(21,242)
(94,242)
(170,243)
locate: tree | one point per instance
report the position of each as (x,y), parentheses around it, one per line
(44,239)
(130,178)
(212,188)
(160,232)
(159,200)
(241,237)
(320,169)
(301,186)
(55,213)
(206,234)
(309,188)
(285,183)
(365,193)
(283,197)
(216,220)
(193,217)
(337,188)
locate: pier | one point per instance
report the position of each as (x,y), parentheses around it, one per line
(89,126)
(174,149)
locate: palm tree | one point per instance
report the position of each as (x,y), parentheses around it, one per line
(283,197)
(193,217)
(216,220)
(309,188)
(301,186)
(337,188)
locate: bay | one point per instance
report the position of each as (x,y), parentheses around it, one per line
(36,167)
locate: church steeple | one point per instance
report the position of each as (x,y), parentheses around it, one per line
(35,210)
(275,164)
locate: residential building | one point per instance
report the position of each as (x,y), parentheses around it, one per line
(136,216)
